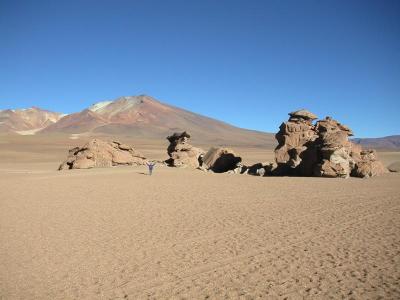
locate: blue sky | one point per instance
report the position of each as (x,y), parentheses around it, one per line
(244,62)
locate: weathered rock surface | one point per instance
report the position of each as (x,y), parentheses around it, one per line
(220,160)
(99,154)
(295,153)
(394,167)
(322,149)
(181,153)
(335,149)
(368,165)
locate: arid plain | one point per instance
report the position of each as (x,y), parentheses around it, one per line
(118,233)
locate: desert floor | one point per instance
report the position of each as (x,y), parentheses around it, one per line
(180,234)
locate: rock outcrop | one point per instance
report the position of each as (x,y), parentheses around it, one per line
(295,153)
(335,149)
(181,153)
(322,149)
(368,165)
(220,160)
(100,154)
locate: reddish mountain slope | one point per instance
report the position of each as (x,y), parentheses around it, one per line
(143,116)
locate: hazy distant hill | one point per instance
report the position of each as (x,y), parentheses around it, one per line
(388,142)
(26,121)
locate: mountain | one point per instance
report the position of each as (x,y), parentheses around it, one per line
(27,121)
(143,116)
(388,142)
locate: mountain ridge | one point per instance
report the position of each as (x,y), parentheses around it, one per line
(391,142)
(143,116)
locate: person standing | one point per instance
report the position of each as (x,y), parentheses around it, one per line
(150,165)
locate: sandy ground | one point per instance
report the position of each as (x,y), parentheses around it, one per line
(179,234)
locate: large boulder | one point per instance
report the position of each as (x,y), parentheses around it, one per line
(368,165)
(323,149)
(181,153)
(99,154)
(335,149)
(220,160)
(295,153)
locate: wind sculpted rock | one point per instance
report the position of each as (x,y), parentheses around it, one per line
(181,153)
(322,149)
(99,154)
(369,165)
(335,149)
(220,160)
(295,153)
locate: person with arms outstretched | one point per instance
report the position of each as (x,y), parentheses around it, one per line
(150,165)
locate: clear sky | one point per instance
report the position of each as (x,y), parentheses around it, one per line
(244,62)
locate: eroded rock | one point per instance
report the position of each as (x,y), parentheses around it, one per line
(334,149)
(100,154)
(295,154)
(368,165)
(220,160)
(323,149)
(181,153)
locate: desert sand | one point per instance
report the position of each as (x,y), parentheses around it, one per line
(118,233)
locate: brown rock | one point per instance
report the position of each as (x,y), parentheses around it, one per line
(369,165)
(369,169)
(220,160)
(83,163)
(322,149)
(181,153)
(295,139)
(394,167)
(97,153)
(335,149)
(303,114)
(338,165)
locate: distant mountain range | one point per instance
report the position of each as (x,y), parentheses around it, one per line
(135,116)
(145,117)
(388,142)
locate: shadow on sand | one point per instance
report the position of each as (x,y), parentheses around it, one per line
(143,173)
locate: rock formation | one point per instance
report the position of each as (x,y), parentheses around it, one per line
(220,160)
(335,149)
(99,154)
(295,153)
(181,153)
(368,165)
(322,149)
